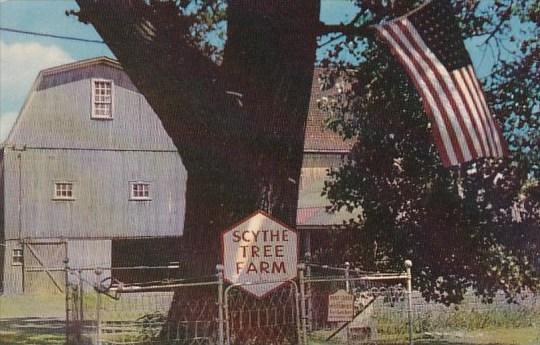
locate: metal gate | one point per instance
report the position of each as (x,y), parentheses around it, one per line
(44,267)
(270,321)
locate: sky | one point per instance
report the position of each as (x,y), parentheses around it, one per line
(23,56)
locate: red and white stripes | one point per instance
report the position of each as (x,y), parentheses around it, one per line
(462,123)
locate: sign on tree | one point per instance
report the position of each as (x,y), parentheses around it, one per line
(261,253)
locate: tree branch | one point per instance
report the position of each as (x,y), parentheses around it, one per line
(176,78)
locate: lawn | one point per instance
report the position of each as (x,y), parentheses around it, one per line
(32,320)
(526,336)
(499,336)
(39,320)
(32,306)
(25,337)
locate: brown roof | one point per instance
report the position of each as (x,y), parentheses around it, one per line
(318,137)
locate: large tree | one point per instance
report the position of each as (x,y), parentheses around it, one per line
(473,226)
(237,113)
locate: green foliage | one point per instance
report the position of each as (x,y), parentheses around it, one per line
(475,226)
(202,23)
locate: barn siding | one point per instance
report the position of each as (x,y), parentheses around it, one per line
(11,192)
(13,274)
(89,255)
(2,234)
(102,207)
(1,194)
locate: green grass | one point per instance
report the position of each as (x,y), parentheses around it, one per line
(26,337)
(499,336)
(518,336)
(476,320)
(50,306)
(32,320)
(54,306)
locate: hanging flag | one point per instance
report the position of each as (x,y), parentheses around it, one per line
(428,44)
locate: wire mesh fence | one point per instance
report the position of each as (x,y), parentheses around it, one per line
(115,313)
(324,305)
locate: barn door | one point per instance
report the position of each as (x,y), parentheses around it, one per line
(44,267)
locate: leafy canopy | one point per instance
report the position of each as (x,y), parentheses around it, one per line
(475,226)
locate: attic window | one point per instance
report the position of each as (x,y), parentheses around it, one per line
(140,191)
(102,99)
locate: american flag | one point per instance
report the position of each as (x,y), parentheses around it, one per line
(427,42)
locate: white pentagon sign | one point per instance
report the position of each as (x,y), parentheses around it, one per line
(261,253)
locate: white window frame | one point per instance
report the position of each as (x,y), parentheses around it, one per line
(17,254)
(65,197)
(134,197)
(93,100)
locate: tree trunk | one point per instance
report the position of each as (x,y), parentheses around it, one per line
(273,64)
(239,157)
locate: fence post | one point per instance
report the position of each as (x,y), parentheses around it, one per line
(308,291)
(301,269)
(98,273)
(81,304)
(66,281)
(221,340)
(408,265)
(347,282)
(226,308)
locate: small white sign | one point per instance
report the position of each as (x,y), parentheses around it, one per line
(261,253)
(340,306)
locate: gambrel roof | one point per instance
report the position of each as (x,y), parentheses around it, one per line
(57,112)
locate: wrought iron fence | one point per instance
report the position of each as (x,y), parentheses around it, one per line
(273,320)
